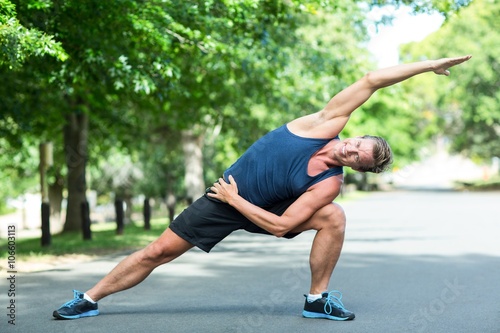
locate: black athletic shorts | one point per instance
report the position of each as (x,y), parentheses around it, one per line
(207,221)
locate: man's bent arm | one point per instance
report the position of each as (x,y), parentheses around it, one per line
(300,211)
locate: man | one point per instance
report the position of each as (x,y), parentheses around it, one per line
(284,184)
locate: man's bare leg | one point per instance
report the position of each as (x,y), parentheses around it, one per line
(325,251)
(329,222)
(135,268)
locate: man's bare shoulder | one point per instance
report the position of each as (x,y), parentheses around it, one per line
(315,126)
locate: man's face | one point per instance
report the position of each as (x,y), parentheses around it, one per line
(355,153)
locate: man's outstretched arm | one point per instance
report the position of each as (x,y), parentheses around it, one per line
(316,197)
(334,116)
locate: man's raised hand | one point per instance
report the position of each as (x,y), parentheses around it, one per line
(441,65)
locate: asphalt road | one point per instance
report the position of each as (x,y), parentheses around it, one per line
(412,262)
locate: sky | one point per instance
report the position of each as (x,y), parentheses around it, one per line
(405,28)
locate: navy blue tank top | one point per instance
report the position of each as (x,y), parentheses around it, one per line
(274,168)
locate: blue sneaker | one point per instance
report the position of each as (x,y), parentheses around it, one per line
(329,306)
(76,308)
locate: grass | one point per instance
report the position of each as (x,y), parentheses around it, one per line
(492,184)
(71,245)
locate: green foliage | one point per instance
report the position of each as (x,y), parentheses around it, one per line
(445,7)
(466,103)
(17,42)
(323,57)
(19,172)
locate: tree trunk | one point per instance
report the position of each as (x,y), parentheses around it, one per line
(55,199)
(120,216)
(75,148)
(193,162)
(171,201)
(129,208)
(85,212)
(146,213)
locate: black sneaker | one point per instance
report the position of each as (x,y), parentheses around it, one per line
(328,307)
(76,308)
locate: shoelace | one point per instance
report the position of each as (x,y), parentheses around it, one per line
(334,301)
(76,298)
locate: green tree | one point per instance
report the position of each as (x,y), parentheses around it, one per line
(466,106)
(18,42)
(107,60)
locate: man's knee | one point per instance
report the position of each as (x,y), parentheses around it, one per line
(164,249)
(332,216)
(154,252)
(159,252)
